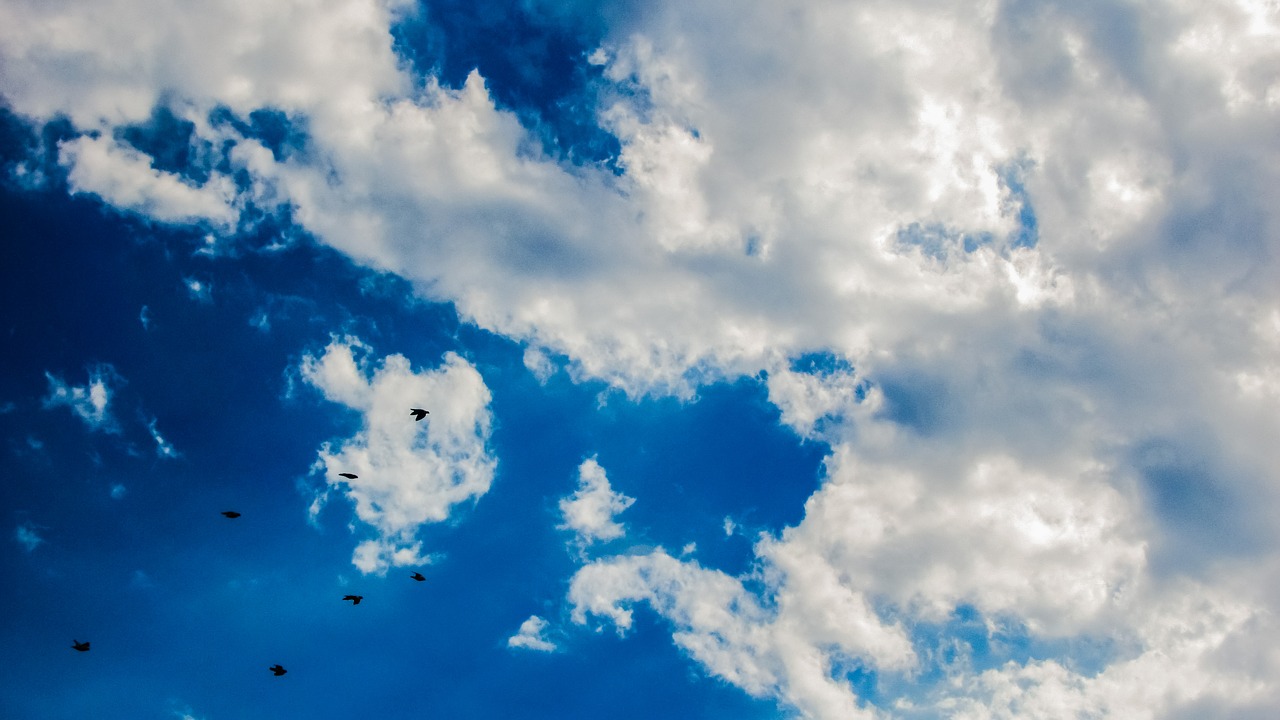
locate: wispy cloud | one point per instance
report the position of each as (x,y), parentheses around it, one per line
(89,402)
(408,473)
(27,537)
(164,448)
(531,636)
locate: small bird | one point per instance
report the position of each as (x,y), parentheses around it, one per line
(418,576)
(230,513)
(81,646)
(349,476)
(277,670)
(418,413)
(355,599)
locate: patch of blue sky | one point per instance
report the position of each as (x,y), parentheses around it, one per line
(283,135)
(534,62)
(821,362)
(29,154)
(971,641)
(938,241)
(1012,178)
(942,243)
(690,466)
(170,144)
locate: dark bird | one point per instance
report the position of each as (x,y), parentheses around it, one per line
(230,513)
(277,670)
(349,476)
(355,599)
(81,646)
(418,413)
(417,576)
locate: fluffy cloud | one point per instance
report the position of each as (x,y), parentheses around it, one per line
(125,178)
(784,652)
(409,473)
(530,636)
(589,511)
(89,402)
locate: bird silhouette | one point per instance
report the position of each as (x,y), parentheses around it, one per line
(355,599)
(349,476)
(277,670)
(230,513)
(417,576)
(418,413)
(81,646)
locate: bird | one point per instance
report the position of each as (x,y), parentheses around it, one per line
(277,670)
(230,513)
(355,599)
(418,576)
(81,646)
(349,476)
(418,413)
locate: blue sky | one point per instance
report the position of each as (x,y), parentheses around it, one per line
(784,360)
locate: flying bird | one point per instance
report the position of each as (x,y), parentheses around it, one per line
(355,599)
(277,670)
(418,413)
(418,576)
(349,476)
(230,513)
(81,646)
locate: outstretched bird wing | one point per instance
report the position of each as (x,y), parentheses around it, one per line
(418,413)
(349,476)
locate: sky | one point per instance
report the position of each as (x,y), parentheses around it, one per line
(792,359)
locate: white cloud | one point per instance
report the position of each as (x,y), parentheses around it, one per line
(27,537)
(530,636)
(89,402)
(409,473)
(590,510)
(199,290)
(784,652)
(123,177)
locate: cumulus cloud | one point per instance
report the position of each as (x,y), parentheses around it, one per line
(784,652)
(590,510)
(1040,237)
(409,473)
(125,178)
(89,402)
(530,636)
(27,537)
